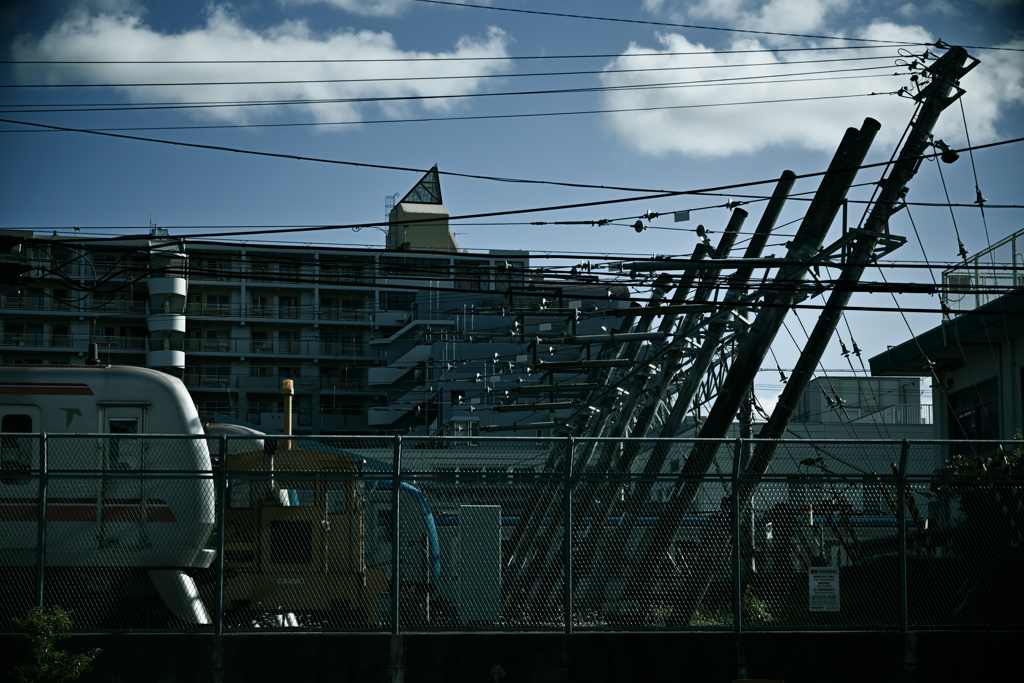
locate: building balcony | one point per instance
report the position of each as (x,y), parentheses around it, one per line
(175,286)
(121,343)
(214,310)
(331,385)
(200,381)
(208,345)
(166,322)
(331,422)
(343,315)
(70,341)
(120,306)
(278,313)
(22,302)
(328,348)
(165,358)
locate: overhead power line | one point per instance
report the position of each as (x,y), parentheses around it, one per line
(474,76)
(655,194)
(752,80)
(384,60)
(479,117)
(650,22)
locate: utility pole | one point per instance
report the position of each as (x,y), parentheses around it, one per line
(934,98)
(528,534)
(697,370)
(599,497)
(754,346)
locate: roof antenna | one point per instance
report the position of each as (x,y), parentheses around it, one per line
(94,354)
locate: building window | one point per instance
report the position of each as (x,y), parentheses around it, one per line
(260,342)
(259,306)
(288,342)
(397,301)
(288,306)
(15,452)
(974,412)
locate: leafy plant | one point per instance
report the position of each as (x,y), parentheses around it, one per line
(989,499)
(755,612)
(42,628)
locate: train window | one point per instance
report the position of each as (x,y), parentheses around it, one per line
(297,497)
(123,448)
(336,497)
(15,452)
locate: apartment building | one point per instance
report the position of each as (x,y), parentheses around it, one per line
(376,341)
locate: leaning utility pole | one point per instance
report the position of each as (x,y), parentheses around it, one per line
(754,346)
(598,498)
(933,99)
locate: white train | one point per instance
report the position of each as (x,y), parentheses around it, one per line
(113,525)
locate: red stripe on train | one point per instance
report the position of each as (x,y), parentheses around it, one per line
(84,510)
(48,388)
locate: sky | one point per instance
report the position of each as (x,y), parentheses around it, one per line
(600,100)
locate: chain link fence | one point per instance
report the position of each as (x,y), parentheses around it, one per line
(136,532)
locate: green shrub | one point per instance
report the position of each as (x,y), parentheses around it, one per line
(42,628)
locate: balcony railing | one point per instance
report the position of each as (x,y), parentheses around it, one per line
(331,313)
(218,310)
(341,348)
(211,345)
(21,302)
(122,343)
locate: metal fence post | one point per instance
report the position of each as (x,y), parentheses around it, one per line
(221,480)
(567,533)
(901,511)
(396,574)
(44,476)
(734,506)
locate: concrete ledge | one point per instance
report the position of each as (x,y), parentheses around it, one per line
(793,657)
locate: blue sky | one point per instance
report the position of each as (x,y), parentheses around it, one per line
(701,121)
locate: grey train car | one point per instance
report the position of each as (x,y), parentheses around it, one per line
(111,538)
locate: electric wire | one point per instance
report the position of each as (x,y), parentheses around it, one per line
(980,201)
(402,98)
(383,60)
(474,77)
(477,117)
(659,195)
(647,22)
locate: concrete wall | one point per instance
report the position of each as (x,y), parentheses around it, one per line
(538,658)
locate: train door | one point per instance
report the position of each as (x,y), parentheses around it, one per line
(295,529)
(122,501)
(19,455)
(340,550)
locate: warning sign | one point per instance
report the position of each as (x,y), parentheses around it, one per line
(823,584)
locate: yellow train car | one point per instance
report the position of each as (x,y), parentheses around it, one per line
(295,542)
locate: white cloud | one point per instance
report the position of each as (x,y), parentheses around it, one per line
(364,7)
(369,8)
(912,12)
(788,16)
(992,87)
(908,11)
(84,36)
(718,131)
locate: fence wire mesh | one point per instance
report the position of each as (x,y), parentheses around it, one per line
(393,534)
